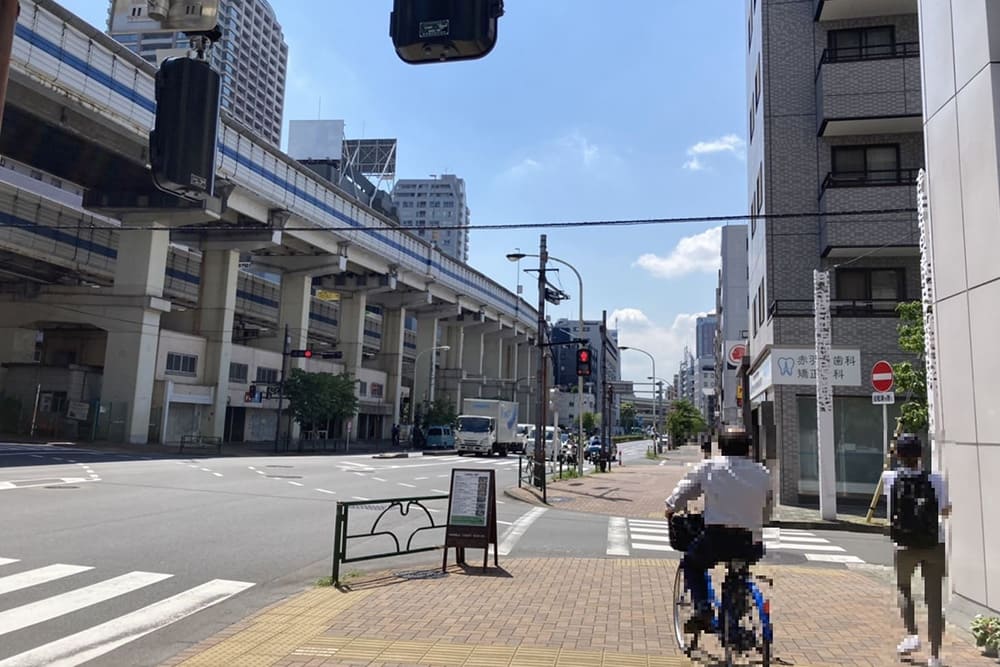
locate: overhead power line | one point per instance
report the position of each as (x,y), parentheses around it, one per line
(638,222)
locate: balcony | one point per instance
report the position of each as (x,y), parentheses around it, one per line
(838,308)
(869,90)
(890,234)
(839,10)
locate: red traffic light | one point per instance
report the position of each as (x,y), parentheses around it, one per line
(583,356)
(301,354)
(583,362)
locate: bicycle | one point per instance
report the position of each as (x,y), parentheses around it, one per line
(742,600)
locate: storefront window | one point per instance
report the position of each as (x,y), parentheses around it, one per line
(857,428)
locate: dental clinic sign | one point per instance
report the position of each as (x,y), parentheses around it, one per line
(797,366)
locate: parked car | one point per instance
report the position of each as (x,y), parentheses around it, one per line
(440,437)
(593,451)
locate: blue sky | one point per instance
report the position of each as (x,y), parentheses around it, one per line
(580,113)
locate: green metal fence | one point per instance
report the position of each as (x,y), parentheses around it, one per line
(341,534)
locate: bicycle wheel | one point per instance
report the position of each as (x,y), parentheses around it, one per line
(759,614)
(683,610)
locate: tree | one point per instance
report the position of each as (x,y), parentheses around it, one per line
(441,412)
(684,421)
(317,398)
(911,378)
(627,417)
(589,422)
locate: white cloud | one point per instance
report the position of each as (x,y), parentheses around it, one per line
(572,151)
(729,143)
(524,167)
(698,253)
(578,144)
(665,342)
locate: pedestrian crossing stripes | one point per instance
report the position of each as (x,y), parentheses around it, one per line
(626,536)
(92,642)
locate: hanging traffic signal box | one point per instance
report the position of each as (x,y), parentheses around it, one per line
(583,362)
(301,354)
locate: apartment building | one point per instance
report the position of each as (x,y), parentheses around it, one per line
(834,134)
(731,307)
(440,206)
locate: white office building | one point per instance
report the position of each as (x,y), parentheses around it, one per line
(439,206)
(251,57)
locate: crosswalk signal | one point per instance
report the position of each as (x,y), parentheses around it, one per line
(583,362)
(301,354)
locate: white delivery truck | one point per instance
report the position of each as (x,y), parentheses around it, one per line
(486,426)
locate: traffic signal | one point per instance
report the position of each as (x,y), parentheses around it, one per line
(583,362)
(427,31)
(301,354)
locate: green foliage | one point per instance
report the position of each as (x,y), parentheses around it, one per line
(911,378)
(627,415)
(315,398)
(441,412)
(684,421)
(589,422)
(986,631)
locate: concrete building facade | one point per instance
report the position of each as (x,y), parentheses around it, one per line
(564,357)
(731,307)
(960,52)
(434,202)
(834,133)
(251,57)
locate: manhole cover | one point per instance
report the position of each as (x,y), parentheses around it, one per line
(421,574)
(284,476)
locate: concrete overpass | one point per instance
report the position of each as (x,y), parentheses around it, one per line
(164,281)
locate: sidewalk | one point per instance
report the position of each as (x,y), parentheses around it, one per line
(637,491)
(556,613)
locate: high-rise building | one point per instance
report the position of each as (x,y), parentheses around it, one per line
(251,57)
(564,357)
(704,372)
(834,101)
(962,81)
(436,202)
(705,335)
(731,308)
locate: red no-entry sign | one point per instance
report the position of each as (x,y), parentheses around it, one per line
(882,376)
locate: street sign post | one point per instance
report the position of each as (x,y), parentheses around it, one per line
(883,379)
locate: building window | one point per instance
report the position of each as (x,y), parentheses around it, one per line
(871,284)
(267,375)
(860,43)
(864,164)
(362,388)
(376,390)
(238,372)
(181,364)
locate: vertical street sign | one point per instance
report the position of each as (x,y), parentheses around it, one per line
(883,379)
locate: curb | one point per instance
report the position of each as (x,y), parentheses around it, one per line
(439,452)
(534,501)
(392,455)
(842,526)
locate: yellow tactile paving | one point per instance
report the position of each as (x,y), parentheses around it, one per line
(490,656)
(447,654)
(535,657)
(571,658)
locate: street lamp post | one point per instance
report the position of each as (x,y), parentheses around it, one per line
(517,257)
(430,382)
(626,347)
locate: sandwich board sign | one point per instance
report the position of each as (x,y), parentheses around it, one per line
(472,515)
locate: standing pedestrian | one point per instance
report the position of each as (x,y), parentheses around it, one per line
(917,501)
(395,435)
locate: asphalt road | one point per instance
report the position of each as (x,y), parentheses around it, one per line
(101,552)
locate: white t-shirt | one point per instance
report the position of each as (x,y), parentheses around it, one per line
(735,489)
(940,491)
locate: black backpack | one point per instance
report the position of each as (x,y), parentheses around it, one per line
(914,520)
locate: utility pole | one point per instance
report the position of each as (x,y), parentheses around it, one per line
(285,351)
(9,11)
(543,394)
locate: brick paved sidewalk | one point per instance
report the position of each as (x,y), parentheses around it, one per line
(559,613)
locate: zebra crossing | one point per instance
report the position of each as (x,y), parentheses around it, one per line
(33,611)
(626,536)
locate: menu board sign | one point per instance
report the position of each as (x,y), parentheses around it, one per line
(472,514)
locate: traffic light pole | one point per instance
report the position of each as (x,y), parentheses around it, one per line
(543,393)
(285,350)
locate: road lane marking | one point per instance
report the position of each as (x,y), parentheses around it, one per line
(41,575)
(438,491)
(8,561)
(33,613)
(617,537)
(378,479)
(417,479)
(803,540)
(327,491)
(409,486)
(360,498)
(360,474)
(518,528)
(651,537)
(440,476)
(260,472)
(94,642)
(217,474)
(505,523)
(802,547)
(834,558)
(651,547)
(296,484)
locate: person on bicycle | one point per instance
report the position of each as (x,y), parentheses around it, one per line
(737,501)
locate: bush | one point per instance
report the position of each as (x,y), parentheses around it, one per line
(986,631)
